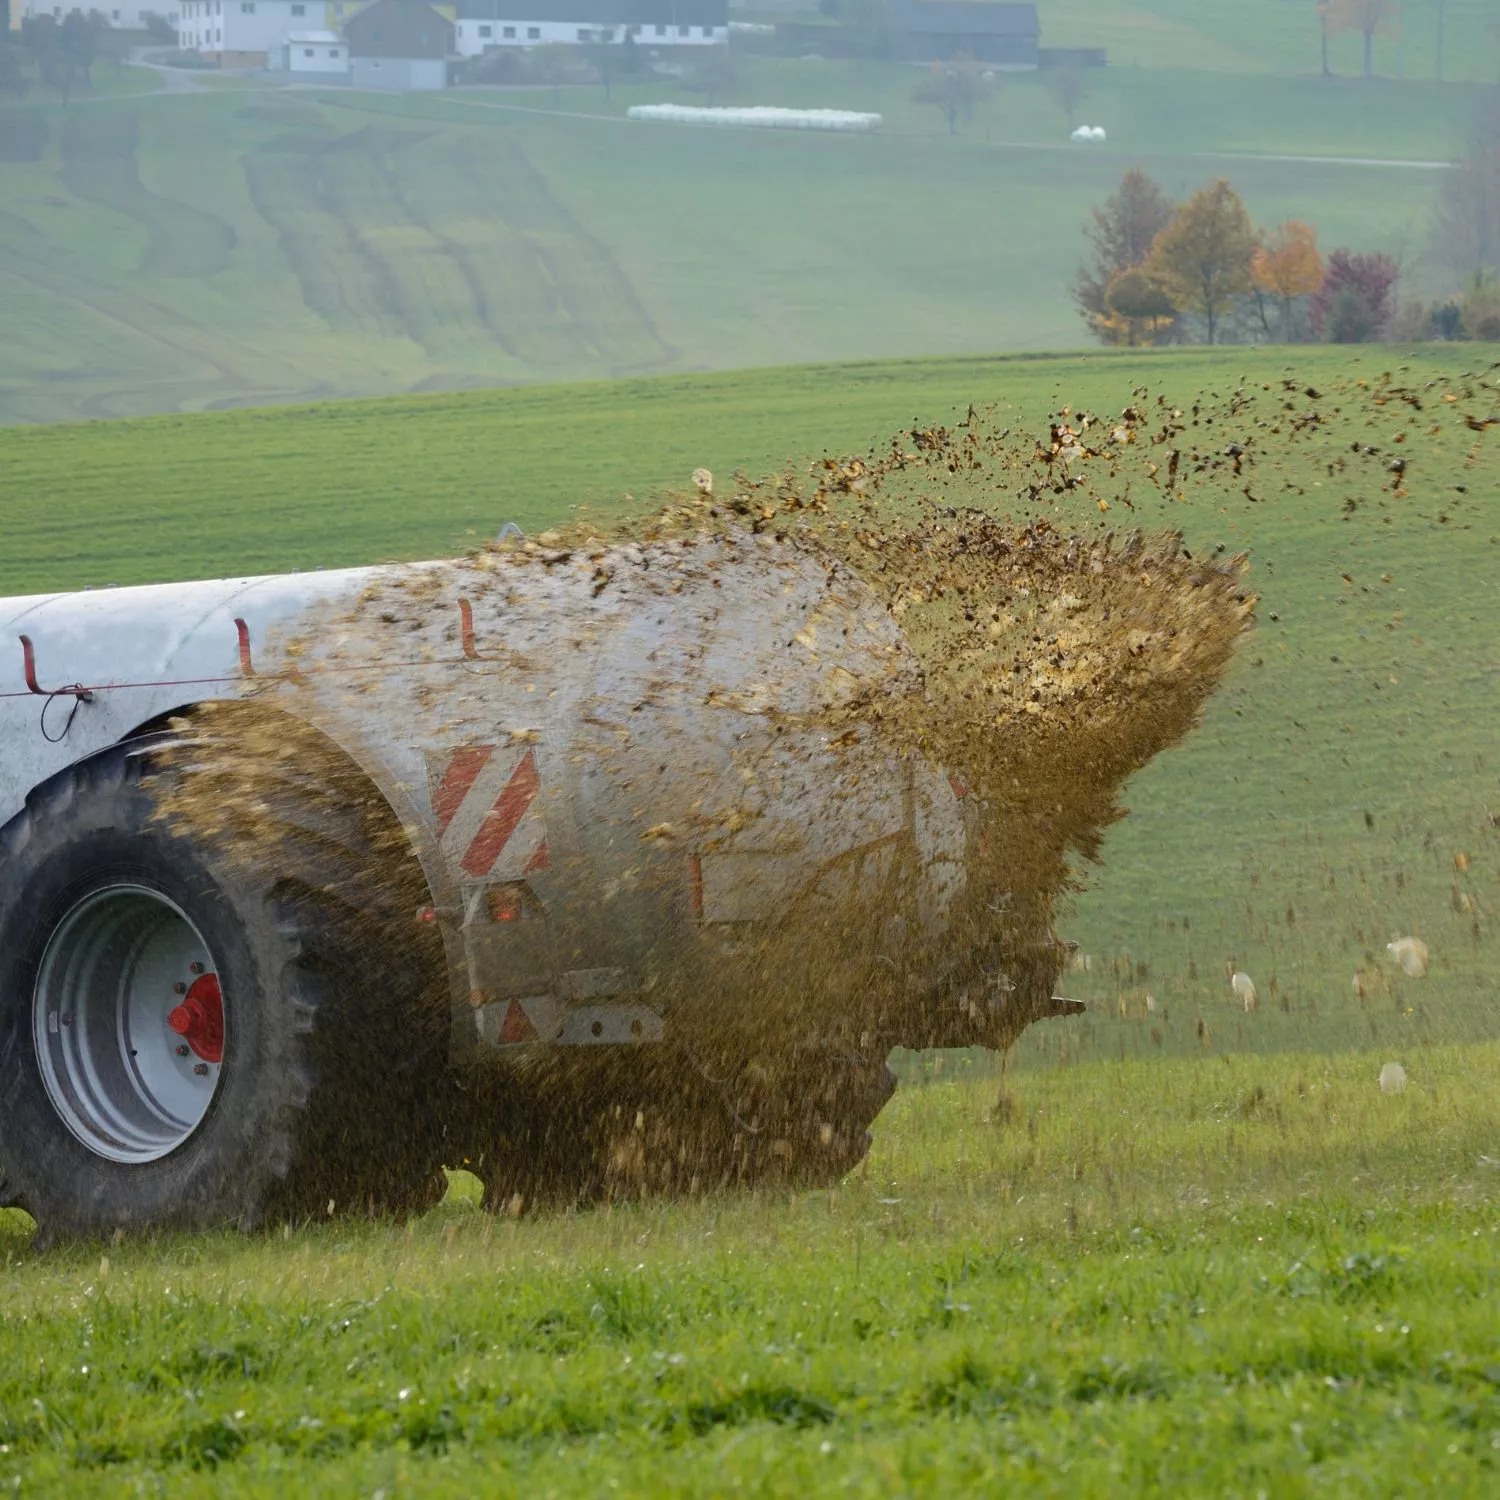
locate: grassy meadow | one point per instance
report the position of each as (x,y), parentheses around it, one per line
(1249,1276)
(1342,791)
(1279,36)
(236,245)
(1171,1244)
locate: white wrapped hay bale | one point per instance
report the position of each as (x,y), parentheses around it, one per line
(759,116)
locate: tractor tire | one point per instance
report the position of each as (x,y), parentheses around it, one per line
(189,1039)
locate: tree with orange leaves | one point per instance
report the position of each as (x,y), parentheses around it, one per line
(1202,258)
(1286,265)
(1364,16)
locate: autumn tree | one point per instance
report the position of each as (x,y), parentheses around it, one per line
(1141,307)
(1357,297)
(1286,265)
(1364,16)
(1203,256)
(1120,234)
(954,87)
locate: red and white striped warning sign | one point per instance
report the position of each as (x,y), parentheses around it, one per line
(485,803)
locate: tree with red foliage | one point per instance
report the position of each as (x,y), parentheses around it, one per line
(1356,299)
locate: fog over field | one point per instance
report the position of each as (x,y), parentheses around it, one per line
(181,238)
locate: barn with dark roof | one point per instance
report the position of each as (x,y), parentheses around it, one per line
(1004,36)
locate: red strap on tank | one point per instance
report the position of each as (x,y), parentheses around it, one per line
(247,667)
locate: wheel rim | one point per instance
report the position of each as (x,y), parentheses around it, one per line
(129,1023)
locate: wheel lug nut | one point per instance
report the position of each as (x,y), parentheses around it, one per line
(179,988)
(201,1069)
(182,1051)
(195,968)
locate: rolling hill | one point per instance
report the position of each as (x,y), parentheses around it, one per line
(226,246)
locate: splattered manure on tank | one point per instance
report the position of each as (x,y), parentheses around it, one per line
(743,674)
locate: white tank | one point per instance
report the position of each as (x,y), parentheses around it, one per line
(622,774)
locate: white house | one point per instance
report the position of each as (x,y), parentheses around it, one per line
(242,33)
(319,52)
(483,24)
(129,15)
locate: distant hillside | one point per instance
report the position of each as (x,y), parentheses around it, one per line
(239,245)
(1278,36)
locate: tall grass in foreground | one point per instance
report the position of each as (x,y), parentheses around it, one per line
(1229,1275)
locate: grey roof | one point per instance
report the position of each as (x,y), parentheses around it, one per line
(600,12)
(965,18)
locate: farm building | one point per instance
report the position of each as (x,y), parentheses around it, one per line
(483,24)
(316,54)
(1004,36)
(399,44)
(242,33)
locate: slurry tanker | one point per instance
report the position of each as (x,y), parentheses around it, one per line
(597,867)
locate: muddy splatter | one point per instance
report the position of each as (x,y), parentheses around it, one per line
(825,750)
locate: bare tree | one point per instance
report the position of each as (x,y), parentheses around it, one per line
(1326,27)
(716,75)
(552,65)
(1466,234)
(1069,87)
(955,87)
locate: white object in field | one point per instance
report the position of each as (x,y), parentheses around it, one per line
(1392,1078)
(765,117)
(1150,1005)
(1089,133)
(1244,989)
(703,481)
(1411,954)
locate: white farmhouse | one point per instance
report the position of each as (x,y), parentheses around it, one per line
(245,33)
(483,24)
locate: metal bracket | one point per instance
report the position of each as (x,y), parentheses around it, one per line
(28,662)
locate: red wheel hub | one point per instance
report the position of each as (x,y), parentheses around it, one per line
(199,1020)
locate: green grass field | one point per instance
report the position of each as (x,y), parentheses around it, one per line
(1228,1278)
(186,251)
(1176,1248)
(1277,36)
(1313,818)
